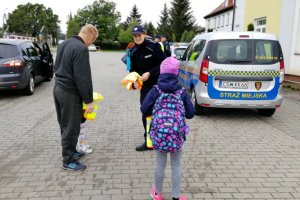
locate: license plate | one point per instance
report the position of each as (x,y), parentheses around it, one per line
(233,84)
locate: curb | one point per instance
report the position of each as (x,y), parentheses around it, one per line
(294,85)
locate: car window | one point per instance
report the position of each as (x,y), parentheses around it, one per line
(8,51)
(187,51)
(179,51)
(232,51)
(196,50)
(266,51)
(245,51)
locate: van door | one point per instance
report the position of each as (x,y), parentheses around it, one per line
(230,69)
(182,72)
(266,68)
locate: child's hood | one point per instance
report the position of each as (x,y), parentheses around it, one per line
(168,83)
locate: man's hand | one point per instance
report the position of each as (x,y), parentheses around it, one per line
(89,107)
(145,76)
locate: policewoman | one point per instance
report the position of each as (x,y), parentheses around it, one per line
(145,60)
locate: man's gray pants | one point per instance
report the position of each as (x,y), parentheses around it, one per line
(69,115)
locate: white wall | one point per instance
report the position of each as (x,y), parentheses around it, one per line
(289,35)
(220,22)
(239,15)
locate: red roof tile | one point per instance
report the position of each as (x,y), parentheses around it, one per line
(220,9)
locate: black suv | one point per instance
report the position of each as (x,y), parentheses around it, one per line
(23,64)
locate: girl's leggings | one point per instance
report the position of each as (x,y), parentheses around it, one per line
(161,162)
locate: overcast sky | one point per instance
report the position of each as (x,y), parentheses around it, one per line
(150,9)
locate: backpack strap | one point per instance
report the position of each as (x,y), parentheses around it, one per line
(159,90)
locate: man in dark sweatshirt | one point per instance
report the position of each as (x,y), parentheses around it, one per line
(73,86)
(145,60)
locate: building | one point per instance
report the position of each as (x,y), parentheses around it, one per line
(278,17)
(220,19)
(289,35)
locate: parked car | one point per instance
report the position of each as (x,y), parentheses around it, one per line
(92,47)
(177,51)
(23,64)
(234,70)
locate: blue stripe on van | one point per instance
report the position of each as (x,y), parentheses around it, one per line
(187,78)
(216,94)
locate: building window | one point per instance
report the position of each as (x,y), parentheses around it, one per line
(260,25)
(215,22)
(228,17)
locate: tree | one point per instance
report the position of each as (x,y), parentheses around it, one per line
(125,35)
(133,16)
(30,19)
(163,26)
(73,26)
(103,15)
(250,27)
(150,29)
(181,17)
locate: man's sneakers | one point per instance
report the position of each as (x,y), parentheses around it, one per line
(154,195)
(78,155)
(143,147)
(75,166)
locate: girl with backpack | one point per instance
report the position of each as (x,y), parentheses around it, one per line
(169,104)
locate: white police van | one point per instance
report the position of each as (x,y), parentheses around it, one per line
(233,70)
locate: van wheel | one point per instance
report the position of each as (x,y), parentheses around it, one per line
(29,90)
(267,112)
(199,109)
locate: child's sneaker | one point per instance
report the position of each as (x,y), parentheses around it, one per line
(75,166)
(182,198)
(78,155)
(154,195)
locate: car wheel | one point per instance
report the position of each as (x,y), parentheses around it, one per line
(29,90)
(267,112)
(199,109)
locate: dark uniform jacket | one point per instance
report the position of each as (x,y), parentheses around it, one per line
(167,48)
(147,57)
(72,69)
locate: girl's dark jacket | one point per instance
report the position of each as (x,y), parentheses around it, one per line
(167,83)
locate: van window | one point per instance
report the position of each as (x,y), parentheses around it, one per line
(187,51)
(196,50)
(266,51)
(8,51)
(245,51)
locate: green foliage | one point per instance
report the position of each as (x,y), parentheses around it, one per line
(134,16)
(103,15)
(150,29)
(125,35)
(210,30)
(163,26)
(30,18)
(181,17)
(73,26)
(187,36)
(173,37)
(250,27)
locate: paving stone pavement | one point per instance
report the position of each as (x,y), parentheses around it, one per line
(229,154)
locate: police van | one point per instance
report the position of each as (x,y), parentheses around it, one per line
(233,70)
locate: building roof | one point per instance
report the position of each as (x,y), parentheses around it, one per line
(221,8)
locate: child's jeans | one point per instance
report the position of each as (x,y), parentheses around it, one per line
(161,162)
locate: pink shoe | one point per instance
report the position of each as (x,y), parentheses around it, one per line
(155,196)
(182,198)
